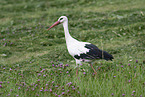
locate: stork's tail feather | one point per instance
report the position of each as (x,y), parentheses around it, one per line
(107,56)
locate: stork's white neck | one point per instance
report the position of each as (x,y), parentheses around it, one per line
(68,37)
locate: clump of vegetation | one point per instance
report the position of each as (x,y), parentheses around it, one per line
(60,80)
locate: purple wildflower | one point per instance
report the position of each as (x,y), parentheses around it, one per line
(4,68)
(17,95)
(40,90)
(11,89)
(58,95)
(67,90)
(36,85)
(38,80)
(0,86)
(136,61)
(66,65)
(129,64)
(45,90)
(132,94)
(123,94)
(129,80)
(67,72)
(5,44)
(62,93)
(46,84)
(84,72)
(114,76)
(44,75)
(133,91)
(69,83)
(53,65)
(112,94)
(10,69)
(52,82)
(121,65)
(140,95)
(8,95)
(19,88)
(60,65)
(39,74)
(1,82)
(50,90)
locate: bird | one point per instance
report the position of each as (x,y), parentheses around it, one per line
(81,51)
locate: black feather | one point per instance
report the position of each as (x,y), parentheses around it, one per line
(94,53)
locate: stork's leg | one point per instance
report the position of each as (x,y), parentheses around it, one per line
(77,71)
(77,62)
(93,69)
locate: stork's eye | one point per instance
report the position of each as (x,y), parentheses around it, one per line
(61,18)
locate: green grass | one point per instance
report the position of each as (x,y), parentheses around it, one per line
(27,48)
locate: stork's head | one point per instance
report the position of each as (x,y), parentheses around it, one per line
(62,19)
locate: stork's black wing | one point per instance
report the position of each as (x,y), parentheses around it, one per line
(94,53)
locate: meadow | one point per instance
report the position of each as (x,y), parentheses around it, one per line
(35,62)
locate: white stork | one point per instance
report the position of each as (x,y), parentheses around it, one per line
(81,51)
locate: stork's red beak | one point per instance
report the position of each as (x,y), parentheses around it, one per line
(56,23)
